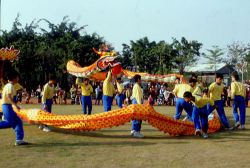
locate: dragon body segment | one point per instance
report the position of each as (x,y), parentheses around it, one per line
(115,118)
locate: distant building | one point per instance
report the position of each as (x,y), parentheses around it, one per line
(207,71)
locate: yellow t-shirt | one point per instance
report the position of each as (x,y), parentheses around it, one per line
(180,89)
(108,87)
(48,92)
(202,101)
(137,93)
(197,91)
(120,87)
(237,89)
(86,89)
(215,91)
(8,89)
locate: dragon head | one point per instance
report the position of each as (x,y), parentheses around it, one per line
(106,62)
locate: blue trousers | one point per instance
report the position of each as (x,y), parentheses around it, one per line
(107,102)
(180,105)
(239,102)
(200,115)
(220,111)
(136,124)
(119,99)
(12,121)
(86,102)
(48,105)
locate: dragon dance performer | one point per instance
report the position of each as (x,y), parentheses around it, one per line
(238,94)
(108,92)
(137,98)
(120,90)
(214,92)
(200,112)
(181,104)
(10,117)
(87,89)
(47,99)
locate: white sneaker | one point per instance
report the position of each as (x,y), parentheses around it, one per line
(132,132)
(210,116)
(20,142)
(138,135)
(229,129)
(198,132)
(205,135)
(41,127)
(242,127)
(46,129)
(237,125)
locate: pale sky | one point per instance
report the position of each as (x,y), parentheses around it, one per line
(212,22)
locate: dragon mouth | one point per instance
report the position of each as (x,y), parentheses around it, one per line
(108,61)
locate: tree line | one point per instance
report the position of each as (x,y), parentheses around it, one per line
(47,50)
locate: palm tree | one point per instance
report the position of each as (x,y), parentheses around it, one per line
(214,56)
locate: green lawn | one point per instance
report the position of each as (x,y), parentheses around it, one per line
(115,148)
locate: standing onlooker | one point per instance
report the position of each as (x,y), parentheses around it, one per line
(238,94)
(39,94)
(160,99)
(98,92)
(64,96)
(73,94)
(150,100)
(152,92)
(78,95)
(60,95)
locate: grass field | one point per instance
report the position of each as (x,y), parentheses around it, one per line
(112,148)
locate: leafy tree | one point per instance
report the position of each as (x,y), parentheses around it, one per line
(214,56)
(237,53)
(126,57)
(144,56)
(238,56)
(45,51)
(185,53)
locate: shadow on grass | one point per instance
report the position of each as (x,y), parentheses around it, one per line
(114,144)
(101,134)
(127,131)
(236,135)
